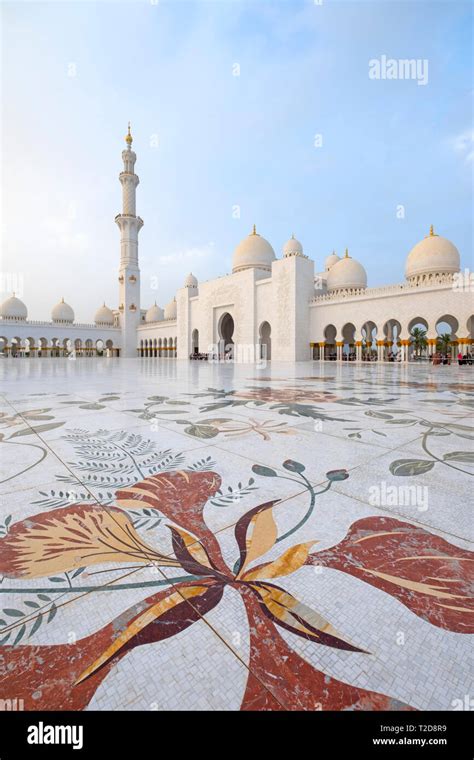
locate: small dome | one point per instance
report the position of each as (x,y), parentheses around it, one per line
(432,255)
(62,312)
(346,274)
(293,247)
(154,314)
(331,260)
(171,309)
(191,281)
(253,252)
(104,315)
(13,308)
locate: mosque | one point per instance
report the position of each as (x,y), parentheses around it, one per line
(277,308)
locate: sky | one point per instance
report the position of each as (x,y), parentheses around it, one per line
(242,112)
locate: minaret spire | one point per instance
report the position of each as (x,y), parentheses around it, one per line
(129,273)
(129,138)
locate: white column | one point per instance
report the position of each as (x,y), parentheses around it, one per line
(404,347)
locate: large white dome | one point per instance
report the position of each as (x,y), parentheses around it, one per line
(154,314)
(171,309)
(293,247)
(190,281)
(13,308)
(432,255)
(253,252)
(331,260)
(62,312)
(346,274)
(104,315)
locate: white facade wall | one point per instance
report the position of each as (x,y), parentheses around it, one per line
(293,286)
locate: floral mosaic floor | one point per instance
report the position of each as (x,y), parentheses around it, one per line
(196,536)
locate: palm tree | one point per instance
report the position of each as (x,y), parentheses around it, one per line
(443,343)
(419,339)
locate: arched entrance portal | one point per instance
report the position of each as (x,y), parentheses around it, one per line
(265,341)
(226,332)
(447,328)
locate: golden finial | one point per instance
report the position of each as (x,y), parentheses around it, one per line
(254,231)
(346,255)
(431,230)
(128,137)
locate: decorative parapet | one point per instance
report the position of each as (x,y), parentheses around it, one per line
(129,216)
(62,325)
(146,326)
(383,290)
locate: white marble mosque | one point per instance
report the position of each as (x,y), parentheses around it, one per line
(279,308)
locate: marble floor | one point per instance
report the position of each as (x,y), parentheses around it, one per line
(214,536)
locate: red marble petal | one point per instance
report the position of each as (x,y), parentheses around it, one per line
(44,676)
(180,496)
(416,556)
(282,680)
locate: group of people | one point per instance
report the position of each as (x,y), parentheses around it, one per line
(366,357)
(464,358)
(440,358)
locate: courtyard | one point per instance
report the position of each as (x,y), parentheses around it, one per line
(197,535)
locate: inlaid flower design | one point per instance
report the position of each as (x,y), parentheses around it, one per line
(30,415)
(402,560)
(288,395)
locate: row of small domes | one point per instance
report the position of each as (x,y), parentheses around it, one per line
(157,314)
(14,308)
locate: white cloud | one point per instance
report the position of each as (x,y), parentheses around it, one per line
(464,144)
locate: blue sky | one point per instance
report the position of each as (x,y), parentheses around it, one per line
(227,141)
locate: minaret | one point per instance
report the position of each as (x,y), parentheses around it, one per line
(129,274)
